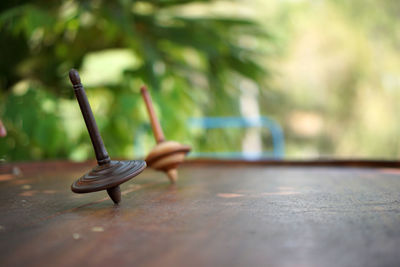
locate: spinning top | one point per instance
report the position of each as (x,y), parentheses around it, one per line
(108,175)
(166,155)
(3,131)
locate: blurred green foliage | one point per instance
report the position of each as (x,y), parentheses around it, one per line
(328,71)
(340,78)
(189,61)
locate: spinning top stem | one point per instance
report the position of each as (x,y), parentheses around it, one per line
(108,175)
(155,124)
(98,145)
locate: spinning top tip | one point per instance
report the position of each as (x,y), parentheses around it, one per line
(172,175)
(74,77)
(115,194)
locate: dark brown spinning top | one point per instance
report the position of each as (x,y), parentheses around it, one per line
(108,175)
(166,155)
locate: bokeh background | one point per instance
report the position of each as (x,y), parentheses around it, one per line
(326,71)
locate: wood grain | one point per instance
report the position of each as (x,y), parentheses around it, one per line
(219,214)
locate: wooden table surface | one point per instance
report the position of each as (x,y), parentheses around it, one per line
(217,214)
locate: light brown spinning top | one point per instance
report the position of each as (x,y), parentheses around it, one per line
(166,155)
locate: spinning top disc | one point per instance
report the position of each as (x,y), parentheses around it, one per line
(167,154)
(108,176)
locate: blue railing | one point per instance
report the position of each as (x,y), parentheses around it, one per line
(242,122)
(274,128)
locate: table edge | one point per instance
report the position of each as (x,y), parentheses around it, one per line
(61,164)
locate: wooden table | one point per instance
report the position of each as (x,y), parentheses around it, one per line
(219,214)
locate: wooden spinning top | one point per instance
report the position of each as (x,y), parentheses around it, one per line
(166,155)
(108,175)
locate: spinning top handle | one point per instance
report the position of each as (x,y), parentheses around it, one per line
(98,145)
(155,124)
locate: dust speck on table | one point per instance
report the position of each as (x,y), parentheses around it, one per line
(97,229)
(76,236)
(26,187)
